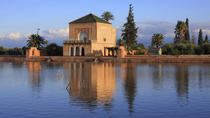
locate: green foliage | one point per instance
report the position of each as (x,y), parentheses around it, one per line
(11,51)
(157,40)
(129,33)
(200,38)
(54,50)
(206,41)
(140,46)
(187,34)
(2,51)
(121,42)
(179,49)
(107,16)
(206,48)
(180,31)
(36,40)
(199,50)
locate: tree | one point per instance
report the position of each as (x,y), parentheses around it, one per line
(36,40)
(121,42)
(187,34)
(200,38)
(193,39)
(54,50)
(129,33)
(206,40)
(180,31)
(107,16)
(157,40)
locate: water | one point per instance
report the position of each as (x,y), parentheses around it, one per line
(104,90)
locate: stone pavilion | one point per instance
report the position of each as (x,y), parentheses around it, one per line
(90,35)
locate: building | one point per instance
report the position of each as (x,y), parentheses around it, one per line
(90,35)
(34,52)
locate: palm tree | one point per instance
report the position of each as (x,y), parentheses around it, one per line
(180,31)
(36,40)
(157,40)
(107,16)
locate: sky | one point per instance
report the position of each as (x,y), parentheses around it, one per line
(20,18)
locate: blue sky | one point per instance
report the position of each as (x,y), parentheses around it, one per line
(19,18)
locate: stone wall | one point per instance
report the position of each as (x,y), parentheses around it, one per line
(192,59)
(89,28)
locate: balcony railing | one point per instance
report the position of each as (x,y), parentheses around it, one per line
(77,42)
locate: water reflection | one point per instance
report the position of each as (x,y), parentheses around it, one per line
(128,75)
(34,69)
(91,84)
(157,74)
(182,81)
(104,89)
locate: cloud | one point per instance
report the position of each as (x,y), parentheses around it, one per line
(205,31)
(11,36)
(145,32)
(62,33)
(147,29)
(19,40)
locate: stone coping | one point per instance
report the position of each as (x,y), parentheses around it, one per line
(128,59)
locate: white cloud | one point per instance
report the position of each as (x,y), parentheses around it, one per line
(205,31)
(19,40)
(145,32)
(11,36)
(56,33)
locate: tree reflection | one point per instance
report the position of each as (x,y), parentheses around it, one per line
(182,81)
(91,84)
(129,83)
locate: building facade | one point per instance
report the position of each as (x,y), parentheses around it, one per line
(89,35)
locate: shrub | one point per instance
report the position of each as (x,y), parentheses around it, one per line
(206,48)
(54,50)
(175,52)
(198,50)
(2,51)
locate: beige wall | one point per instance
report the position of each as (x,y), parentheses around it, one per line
(104,31)
(97,32)
(75,29)
(67,49)
(33,51)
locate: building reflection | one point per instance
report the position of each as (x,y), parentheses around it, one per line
(157,74)
(34,69)
(128,75)
(91,84)
(182,81)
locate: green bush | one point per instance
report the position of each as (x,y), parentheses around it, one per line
(198,50)
(2,51)
(54,50)
(175,52)
(179,49)
(206,48)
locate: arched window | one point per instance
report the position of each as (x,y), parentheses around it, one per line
(83,36)
(72,51)
(77,51)
(83,51)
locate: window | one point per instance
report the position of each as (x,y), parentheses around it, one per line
(32,52)
(83,36)
(104,39)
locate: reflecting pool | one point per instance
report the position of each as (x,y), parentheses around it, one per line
(104,90)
